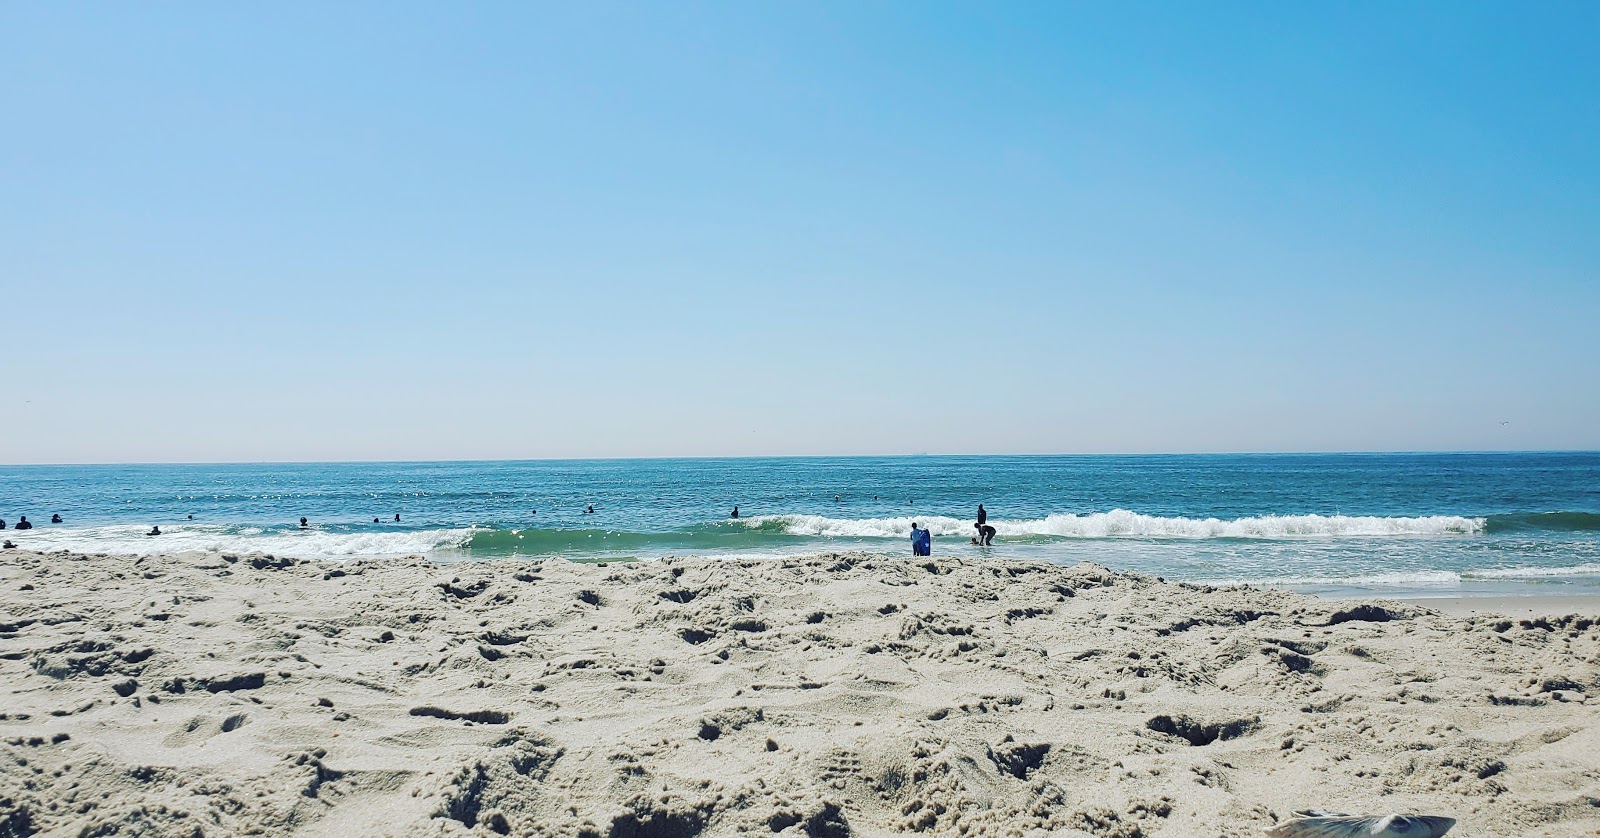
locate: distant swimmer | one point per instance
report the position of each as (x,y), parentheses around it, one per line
(2,525)
(303,524)
(397,517)
(191,517)
(8,545)
(590,510)
(56,518)
(735,512)
(837,499)
(374,520)
(154,531)
(23,524)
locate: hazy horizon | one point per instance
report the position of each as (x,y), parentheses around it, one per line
(1018,454)
(401,232)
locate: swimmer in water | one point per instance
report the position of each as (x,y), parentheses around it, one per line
(154,531)
(397,517)
(303,524)
(23,524)
(735,512)
(590,510)
(56,518)
(8,545)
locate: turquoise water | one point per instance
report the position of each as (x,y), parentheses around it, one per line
(1332,523)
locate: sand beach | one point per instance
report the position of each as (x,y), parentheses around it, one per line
(516,419)
(843,694)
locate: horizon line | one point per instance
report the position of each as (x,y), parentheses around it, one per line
(1329,453)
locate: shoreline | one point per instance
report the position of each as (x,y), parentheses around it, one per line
(1547,597)
(830,695)
(1522,605)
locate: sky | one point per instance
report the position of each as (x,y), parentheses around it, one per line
(305,231)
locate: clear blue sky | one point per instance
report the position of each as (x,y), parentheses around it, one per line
(305,231)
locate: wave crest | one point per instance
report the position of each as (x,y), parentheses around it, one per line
(1123,523)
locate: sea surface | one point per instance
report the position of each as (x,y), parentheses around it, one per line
(1335,524)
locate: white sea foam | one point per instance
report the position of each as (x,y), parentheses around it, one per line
(1534,572)
(1123,523)
(1396,579)
(1417,578)
(310,543)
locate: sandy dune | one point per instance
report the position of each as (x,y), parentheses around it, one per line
(828,696)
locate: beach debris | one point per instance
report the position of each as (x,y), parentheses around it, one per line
(1312,823)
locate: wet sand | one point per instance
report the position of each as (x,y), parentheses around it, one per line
(1514,606)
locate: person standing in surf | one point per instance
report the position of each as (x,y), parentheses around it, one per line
(921,541)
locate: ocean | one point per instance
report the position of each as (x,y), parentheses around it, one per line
(1333,524)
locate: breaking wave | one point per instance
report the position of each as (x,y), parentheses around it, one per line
(1123,523)
(308,543)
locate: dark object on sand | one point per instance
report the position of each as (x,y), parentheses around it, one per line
(1310,823)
